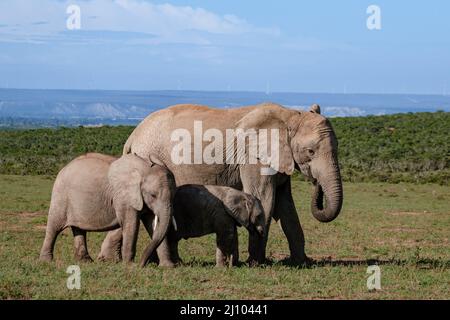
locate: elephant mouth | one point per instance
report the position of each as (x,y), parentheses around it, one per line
(306,171)
(257,231)
(318,200)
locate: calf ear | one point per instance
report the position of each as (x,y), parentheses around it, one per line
(133,191)
(237,207)
(125,183)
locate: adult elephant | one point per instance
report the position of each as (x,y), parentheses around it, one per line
(307,142)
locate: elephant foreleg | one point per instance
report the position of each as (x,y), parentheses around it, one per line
(130,230)
(174,252)
(234,261)
(263,188)
(290,223)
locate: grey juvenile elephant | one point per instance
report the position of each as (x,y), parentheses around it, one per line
(200,210)
(97,192)
(307,142)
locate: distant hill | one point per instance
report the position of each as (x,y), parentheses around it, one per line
(47,108)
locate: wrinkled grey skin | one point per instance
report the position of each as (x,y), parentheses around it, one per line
(201,210)
(96,192)
(307,143)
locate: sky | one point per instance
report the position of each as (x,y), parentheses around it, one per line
(235,45)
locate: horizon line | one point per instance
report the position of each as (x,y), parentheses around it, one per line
(229,91)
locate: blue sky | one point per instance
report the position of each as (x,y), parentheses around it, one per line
(296,46)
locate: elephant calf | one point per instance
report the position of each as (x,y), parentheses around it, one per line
(96,192)
(200,210)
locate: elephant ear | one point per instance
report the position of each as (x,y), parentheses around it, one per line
(239,208)
(125,182)
(315,108)
(282,160)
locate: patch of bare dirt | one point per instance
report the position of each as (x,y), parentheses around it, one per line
(402,229)
(30,214)
(24,220)
(412,243)
(409,213)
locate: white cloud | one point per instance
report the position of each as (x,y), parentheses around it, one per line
(24,20)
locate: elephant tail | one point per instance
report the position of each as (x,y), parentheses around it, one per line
(128,144)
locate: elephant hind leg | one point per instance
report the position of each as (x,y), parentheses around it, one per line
(80,245)
(111,249)
(49,244)
(51,233)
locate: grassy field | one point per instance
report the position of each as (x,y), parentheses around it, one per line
(404,228)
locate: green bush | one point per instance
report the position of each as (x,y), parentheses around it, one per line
(411,147)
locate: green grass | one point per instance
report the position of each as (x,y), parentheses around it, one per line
(404,227)
(393,148)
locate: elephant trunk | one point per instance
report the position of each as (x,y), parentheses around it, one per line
(329,188)
(161,229)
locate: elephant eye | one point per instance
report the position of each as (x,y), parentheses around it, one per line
(310,152)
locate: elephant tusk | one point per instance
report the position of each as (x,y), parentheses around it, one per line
(174,222)
(155,222)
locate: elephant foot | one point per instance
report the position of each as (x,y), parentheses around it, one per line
(84,259)
(178,261)
(253,262)
(46,257)
(167,264)
(303,261)
(110,254)
(109,258)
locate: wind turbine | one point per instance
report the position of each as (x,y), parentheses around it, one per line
(267,88)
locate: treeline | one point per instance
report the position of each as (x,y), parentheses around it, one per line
(22,123)
(413,147)
(393,148)
(46,151)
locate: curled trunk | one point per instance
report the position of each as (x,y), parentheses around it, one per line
(326,202)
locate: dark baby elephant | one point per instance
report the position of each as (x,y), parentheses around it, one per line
(200,210)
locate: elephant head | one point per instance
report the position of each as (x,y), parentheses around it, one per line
(158,191)
(315,151)
(247,211)
(135,183)
(306,142)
